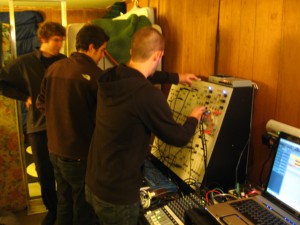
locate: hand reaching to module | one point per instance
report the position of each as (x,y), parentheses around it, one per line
(188,78)
(197,112)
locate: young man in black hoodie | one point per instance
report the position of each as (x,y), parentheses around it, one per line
(21,80)
(129,109)
(68,100)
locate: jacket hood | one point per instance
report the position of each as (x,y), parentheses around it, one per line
(120,83)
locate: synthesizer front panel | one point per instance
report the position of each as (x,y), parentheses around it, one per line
(220,138)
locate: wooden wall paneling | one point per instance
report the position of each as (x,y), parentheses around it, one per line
(212,36)
(249,47)
(236,41)
(288,100)
(143,3)
(52,14)
(265,73)
(229,37)
(246,42)
(73,15)
(199,36)
(170,19)
(84,16)
(190,31)
(244,48)
(190,39)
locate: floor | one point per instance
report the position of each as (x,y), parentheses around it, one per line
(34,188)
(33,219)
(36,211)
(35,205)
(21,218)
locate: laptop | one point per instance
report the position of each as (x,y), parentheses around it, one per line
(281,198)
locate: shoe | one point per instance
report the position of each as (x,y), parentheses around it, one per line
(49,219)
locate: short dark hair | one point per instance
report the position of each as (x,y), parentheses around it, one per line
(144,42)
(90,34)
(50,29)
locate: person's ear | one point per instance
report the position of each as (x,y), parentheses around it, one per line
(91,47)
(156,55)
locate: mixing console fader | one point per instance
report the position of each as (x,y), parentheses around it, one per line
(173,212)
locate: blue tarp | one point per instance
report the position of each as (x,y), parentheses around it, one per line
(26,29)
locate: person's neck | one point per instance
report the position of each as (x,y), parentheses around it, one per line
(89,54)
(141,67)
(45,53)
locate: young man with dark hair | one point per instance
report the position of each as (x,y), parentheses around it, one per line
(21,80)
(129,109)
(68,100)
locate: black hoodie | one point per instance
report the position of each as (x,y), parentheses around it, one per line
(129,109)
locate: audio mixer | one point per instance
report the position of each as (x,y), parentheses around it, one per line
(173,212)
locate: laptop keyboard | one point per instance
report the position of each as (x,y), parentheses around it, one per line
(256,213)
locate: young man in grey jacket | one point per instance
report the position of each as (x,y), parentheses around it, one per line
(21,80)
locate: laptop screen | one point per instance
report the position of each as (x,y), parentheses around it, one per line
(284,180)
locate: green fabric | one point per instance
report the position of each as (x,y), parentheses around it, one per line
(120,33)
(116,9)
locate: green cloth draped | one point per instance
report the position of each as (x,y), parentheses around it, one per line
(120,33)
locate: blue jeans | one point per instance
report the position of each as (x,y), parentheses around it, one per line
(111,214)
(72,209)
